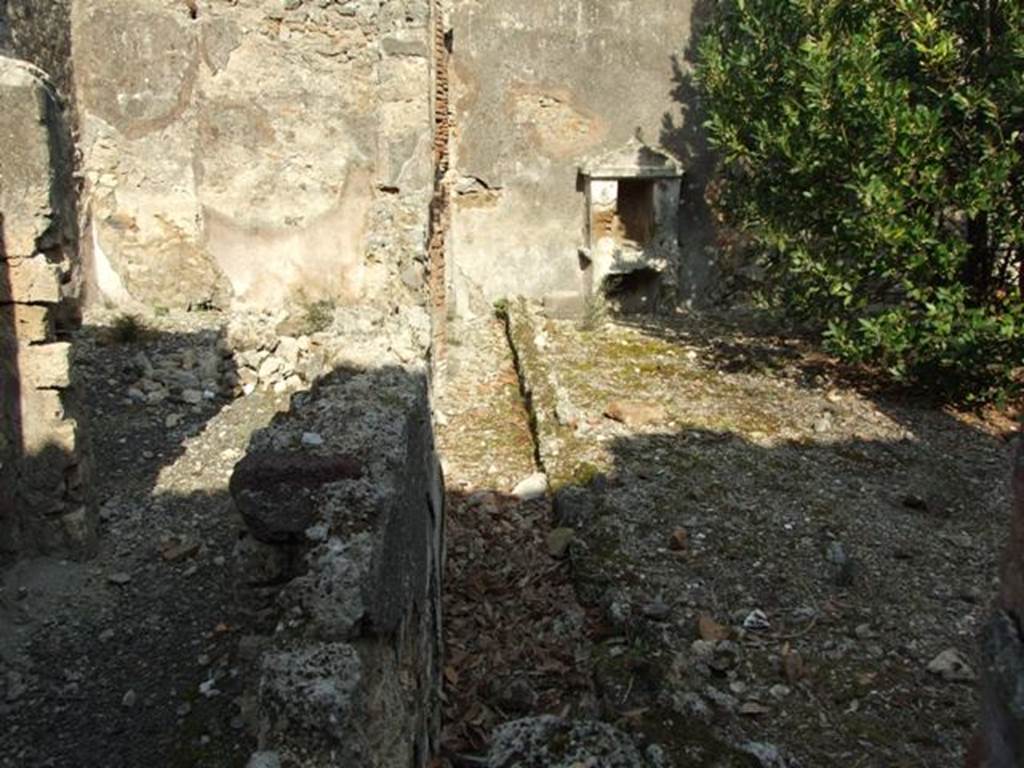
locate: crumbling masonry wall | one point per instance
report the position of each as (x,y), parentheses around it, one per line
(538,86)
(1000,742)
(343,503)
(43,476)
(254,153)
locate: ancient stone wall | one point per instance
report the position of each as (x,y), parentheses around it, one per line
(43,502)
(258,152)
(537,87)
(343,502)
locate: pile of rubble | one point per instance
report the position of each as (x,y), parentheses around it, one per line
(278,352)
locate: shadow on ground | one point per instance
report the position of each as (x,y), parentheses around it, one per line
(103,659)
(864,528)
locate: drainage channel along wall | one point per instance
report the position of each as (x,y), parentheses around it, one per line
(44,507)
(342,497)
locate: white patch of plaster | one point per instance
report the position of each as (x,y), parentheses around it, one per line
(108,282)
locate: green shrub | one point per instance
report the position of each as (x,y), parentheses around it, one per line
(127,329)
(872,152)
(318,315)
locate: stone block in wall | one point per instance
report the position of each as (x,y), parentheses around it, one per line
(355,678)
(44,505)
(45,366)
(27,322)
(35,172)
(32,280)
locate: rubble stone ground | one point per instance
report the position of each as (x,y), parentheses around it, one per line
(745,556)
(778,552)
(133,658)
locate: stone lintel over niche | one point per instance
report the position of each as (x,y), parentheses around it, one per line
(631,253)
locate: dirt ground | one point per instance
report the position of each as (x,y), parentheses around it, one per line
(132,658)
(778,552)
(745,553)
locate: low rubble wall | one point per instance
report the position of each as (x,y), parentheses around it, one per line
(44,506)
(342,498)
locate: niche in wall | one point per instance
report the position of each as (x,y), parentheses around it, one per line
(632,207)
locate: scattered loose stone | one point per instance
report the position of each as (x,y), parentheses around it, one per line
(559,541)
(768,755)
(192,396)
(951,666)
(864,632)
(120,578)
(779,691)
(657,610)
(531,488)
(129,699)
(757,621)
(264,760)
(312,439)
(551,742)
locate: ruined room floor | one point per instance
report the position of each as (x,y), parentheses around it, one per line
(834,540)
(784,560)
(133,658)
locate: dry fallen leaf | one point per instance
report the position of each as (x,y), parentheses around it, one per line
(451,675)
(678,539)
(792,666)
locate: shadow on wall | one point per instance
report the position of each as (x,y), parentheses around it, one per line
(42,491)
(10,416)
(682,133)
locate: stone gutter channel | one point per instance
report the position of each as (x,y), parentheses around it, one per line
(343,502)
(518,333)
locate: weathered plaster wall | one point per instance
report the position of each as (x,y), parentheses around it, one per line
(539,85)
(255,151)
(44,504)
(39,31)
